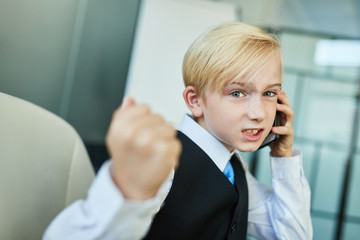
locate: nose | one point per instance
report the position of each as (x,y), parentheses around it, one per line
(256,109)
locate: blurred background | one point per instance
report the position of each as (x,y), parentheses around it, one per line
(78,58)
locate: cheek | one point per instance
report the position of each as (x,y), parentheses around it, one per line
(272,114)
(270,111)
(220,121)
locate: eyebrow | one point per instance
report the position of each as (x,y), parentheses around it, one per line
(244,84)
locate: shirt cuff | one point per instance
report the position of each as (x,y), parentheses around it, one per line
(287,167)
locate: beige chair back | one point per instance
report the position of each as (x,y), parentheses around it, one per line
(44,166)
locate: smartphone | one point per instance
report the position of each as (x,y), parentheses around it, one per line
(272,137)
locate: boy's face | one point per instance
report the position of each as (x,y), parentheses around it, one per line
(243,114)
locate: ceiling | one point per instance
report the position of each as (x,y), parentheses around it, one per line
(339,18)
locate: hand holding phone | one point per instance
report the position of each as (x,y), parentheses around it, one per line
(272,137)
(283,127)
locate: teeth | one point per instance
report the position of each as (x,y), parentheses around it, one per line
(251,132)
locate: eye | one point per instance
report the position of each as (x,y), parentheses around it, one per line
(270,94)
(237,94)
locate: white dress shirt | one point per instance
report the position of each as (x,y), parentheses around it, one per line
(281,213)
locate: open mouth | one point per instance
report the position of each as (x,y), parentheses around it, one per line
(252,132)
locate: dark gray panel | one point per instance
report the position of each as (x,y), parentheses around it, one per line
(102,66)
(35,40)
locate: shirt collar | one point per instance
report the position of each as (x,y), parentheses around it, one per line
(207,142)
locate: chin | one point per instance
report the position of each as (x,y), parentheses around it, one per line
(252,147)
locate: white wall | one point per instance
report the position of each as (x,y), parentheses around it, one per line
(165,30)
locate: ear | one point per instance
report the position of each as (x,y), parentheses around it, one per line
(193,101)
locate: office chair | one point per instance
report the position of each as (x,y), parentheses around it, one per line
(44,166)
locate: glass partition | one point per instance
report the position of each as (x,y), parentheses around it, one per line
(326,103)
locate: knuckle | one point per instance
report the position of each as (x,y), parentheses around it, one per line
(170,131)
(157,119)
(292,131)
(178,146)
(175,148)
(292,113)
(162,146)
(145,109)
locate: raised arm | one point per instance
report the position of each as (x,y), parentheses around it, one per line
(128,190)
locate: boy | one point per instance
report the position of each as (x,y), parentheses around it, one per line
(232,77)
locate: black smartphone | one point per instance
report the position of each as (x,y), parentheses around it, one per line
(272,137)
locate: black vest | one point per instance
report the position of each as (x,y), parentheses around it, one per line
(202,203)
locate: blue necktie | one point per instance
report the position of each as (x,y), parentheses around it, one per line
(229,172)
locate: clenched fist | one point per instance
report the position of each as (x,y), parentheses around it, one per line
(143,148)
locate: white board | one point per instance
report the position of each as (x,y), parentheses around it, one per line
(165,30)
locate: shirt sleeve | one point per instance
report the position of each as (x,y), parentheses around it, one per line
(105,214)
(284,211)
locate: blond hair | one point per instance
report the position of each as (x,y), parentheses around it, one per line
(226,53)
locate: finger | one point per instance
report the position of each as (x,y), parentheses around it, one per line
(283,99)
(127,103)
(139,129)
(168,153)
(132,112)
(164,131)
(282,130)
(287,110)
(125,125)
(146,121)
(175,148)
(288,114)
(158,132)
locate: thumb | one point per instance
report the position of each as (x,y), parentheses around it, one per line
(127,103)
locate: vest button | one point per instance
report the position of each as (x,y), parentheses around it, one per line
(233,228)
